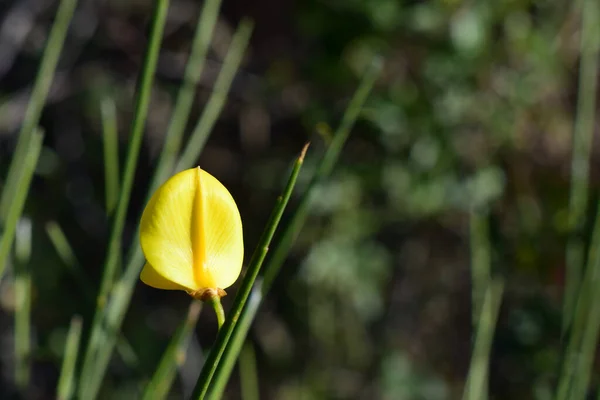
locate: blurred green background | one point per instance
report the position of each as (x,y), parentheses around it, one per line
(474,108)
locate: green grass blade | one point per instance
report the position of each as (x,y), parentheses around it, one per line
(481,265)
(480,259)
(94,366)
(65,252)
(581,350)
(19,196)
(212,361)
(283,245)
(581,319)
(39,94)
(173,357)
(218,96)
(66,382)
(249,373)
(22,303)
(185,97)
(580,164)
(476,386)
(123,289)
(111,153)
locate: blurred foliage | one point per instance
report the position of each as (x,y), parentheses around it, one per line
(474,109)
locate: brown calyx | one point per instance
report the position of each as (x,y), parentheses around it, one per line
(205,294)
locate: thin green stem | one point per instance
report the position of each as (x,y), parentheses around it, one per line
(476,386)
(218,96)
(215,302)
(94,366)
(580,163)
(212,361)
(111,153)
(173,357)
(22,303)
(480,260)
(66,382)
(39,94)
(19,196)
(481,265)
(285,241)
(580,317)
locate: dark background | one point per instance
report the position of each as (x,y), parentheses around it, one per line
(475,106)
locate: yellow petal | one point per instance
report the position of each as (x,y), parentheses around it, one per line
(152,278)
(191,232)
(219,248)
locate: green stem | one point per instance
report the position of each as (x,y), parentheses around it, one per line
(580,316)
(23,304)
(19,196)
(215,302)
(111,153)
(66,382)
(212,361)
(480,260)
(476,386)
(580,163)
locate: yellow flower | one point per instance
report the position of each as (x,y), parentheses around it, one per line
(191,235)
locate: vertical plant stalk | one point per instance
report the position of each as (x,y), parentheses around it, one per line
(22,304)
(39,95)
(66,382)
(249,373)
(219,95)
(481,265)
(19,196)
(291,230)
(212,361)
(111,153)
(580,163)
(582,326)
(173,357)
(480,260)
(185,97)
(94,366)
(476,386)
